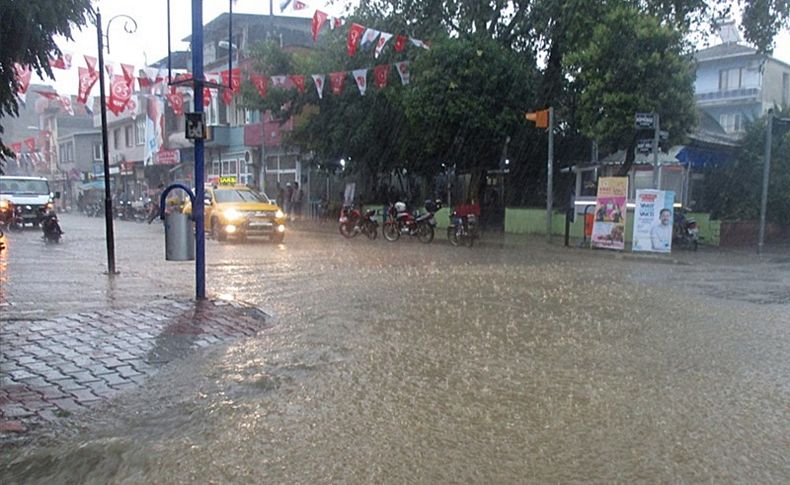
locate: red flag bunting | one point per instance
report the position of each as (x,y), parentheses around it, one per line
(176,102)
(354,33)
(400,42)
(381,73)
(65,101)
(403,71)
(206,97)
(261,83)
(62,62)
(23,75)
(120,93)
(30,143)
(87,79)
(319,18)
(299,5)
(336,81)
(299,83)
(16,147)
(91,63)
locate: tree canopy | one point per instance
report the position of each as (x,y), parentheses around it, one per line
(27,36)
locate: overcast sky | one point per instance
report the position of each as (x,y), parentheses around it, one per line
(149,43)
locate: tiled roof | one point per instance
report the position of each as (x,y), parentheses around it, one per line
(730,49)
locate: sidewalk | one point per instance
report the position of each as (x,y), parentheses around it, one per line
(58,366)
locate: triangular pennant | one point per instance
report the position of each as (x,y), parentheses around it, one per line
(128,74)
(177,103)
(336,81)
(418,43)
(62,62)
(279,81)
(23,75)
(403,71)
(318,80)
(400,42)
(65,101)
(298,82)
(261,83)
(381,74)
(319,18)
(206,97)
(120,93)
(30,143)
(383,38)
(354,33)
(91,63)
(87,79)
(361,77)
(299,5)
(369,39)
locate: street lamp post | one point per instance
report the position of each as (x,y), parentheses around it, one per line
(105,146)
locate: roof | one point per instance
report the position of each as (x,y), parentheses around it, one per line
(720,51)
(220,23)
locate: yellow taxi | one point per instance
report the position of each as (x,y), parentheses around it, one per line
(237,210)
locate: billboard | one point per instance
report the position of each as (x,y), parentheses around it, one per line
(610,210)
(653,216)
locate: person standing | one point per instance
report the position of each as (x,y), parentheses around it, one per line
(296,201)
(280,196)
(289,191)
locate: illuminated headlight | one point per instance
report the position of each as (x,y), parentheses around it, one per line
(232,214)
(230,228)
(279,214)
(281,228)
(4,204)
(50,205)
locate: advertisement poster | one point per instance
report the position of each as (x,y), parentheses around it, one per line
(610,209)
(653,218)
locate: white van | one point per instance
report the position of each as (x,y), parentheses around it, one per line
(30,194)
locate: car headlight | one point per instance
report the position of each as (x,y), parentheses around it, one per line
(50,205)
(232,214)
(279,214)
(3,204)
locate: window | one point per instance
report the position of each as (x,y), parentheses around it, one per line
(215,167)
(730,79)
(229,167)
(129,135)
(731,122)
(140,132)
(97,154)
(116,138)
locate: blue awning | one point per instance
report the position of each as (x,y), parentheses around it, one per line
(700,157)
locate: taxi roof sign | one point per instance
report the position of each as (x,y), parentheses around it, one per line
(230,180)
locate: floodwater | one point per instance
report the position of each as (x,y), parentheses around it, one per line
(407,363)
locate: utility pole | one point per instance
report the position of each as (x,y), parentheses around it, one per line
(656,167)
(766,172)
(198,206)
(550,176)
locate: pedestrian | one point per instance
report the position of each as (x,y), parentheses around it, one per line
(287,200)
(296,201)
(153,205)
(280,196)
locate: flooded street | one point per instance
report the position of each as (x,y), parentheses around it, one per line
(511,362)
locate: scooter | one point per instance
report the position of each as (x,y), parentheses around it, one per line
(464,228)
(685,231)
(51,227)
(352,222)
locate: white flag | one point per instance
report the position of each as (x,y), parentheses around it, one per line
(369,38)
(361,77)
(279,81)
(403,70)
(383,38)
(319,80)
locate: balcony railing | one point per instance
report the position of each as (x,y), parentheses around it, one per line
(732,94)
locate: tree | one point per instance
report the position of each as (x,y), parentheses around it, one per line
(633,63)
(27,31)
(734,191)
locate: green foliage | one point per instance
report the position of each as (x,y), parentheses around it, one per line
(633,63)
(27,31)
(763,19)
(733,192)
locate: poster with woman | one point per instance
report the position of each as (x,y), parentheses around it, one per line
(610,210)
(653,221)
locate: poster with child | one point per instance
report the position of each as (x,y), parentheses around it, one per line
(610,210)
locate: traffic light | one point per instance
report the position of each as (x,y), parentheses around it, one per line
(541,118)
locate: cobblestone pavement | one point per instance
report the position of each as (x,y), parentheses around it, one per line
(54,367)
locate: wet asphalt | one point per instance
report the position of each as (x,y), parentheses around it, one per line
(510,362)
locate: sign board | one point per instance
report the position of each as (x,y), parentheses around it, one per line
(644,120)
(610,210)
(168,157)
(653,216)
(127,168)
(229,180)
(195,126)
(645,145)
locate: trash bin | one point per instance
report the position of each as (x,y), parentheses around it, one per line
(179,237)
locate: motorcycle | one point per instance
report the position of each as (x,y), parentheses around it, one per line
(464,229)
(685,230)
(51,227)
(352,222)
(400,221)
